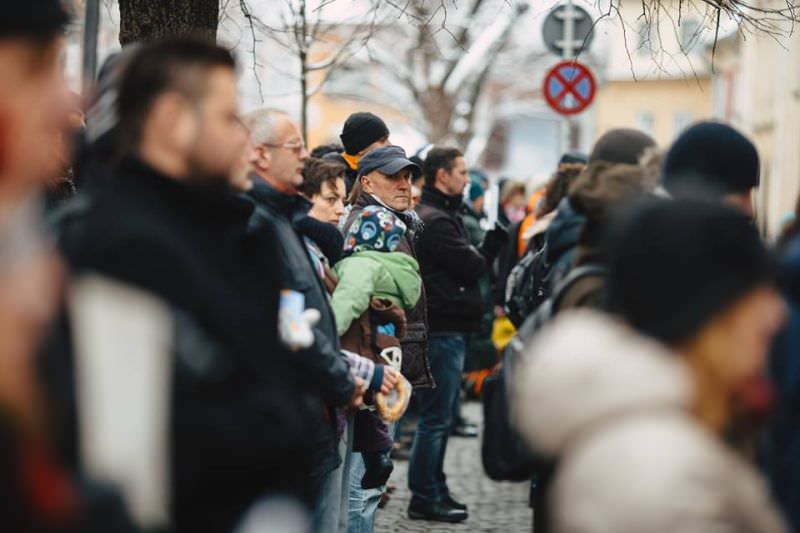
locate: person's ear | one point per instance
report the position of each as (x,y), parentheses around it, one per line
(260,159)
(172,114)
(366,185)
(441,174)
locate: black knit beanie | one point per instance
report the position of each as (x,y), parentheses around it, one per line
(711,157)
(360,130)
(621,146)
(674,265)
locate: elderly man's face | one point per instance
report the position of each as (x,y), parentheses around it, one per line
(394,190)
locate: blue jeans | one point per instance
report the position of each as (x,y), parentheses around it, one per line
(330,515)
(363,502)
(426,477)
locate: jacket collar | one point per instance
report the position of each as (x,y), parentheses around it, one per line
(213,200)
(436,198)
(292,206)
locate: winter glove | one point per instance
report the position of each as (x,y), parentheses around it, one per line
(295,323)
(494,241)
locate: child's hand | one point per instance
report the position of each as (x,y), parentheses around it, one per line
(390,379)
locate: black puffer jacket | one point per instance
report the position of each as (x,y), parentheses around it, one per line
(240,425)
(450,265)
(416,366)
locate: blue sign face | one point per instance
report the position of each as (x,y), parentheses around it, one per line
(569,88)
(558,85)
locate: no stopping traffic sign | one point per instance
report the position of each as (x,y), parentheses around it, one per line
(569,88)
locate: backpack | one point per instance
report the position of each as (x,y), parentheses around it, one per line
(505,456)
(527,286)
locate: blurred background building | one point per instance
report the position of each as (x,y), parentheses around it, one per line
(473,77)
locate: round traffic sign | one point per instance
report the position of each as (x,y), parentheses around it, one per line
(569,88)
(568,30)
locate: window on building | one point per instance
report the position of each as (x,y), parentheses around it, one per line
(680,121)
(646,122)
(690,30)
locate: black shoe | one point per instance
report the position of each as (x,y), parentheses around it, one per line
(435,511)
(465,430)
(454,504)
(378,467)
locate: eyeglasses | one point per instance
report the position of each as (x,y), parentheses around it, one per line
(295,146)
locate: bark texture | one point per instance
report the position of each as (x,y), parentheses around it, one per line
(147,20)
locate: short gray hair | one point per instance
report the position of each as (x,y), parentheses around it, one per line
(263,124)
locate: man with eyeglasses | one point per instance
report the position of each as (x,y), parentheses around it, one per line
(277,158)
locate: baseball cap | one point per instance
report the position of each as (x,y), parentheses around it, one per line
(387,160)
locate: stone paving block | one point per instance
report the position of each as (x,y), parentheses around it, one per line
(493,507)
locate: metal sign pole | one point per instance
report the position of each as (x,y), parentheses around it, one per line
(91,27)
(568,52)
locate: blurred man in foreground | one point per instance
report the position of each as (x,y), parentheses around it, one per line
(168,224)
(33,106)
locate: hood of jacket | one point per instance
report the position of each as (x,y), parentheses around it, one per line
(404,270)
(563,232)
(587,369)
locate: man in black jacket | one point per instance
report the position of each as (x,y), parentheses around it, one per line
(240,426)
(451,268)
(277,159)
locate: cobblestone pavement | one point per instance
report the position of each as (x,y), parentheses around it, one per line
(495,507)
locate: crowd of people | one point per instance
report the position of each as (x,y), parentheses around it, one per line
(208,327)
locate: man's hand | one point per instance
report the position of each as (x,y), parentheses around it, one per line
(358,395)
(390,379)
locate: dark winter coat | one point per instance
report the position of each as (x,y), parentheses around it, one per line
(781,451)
(281,212)
(416,366)
(481,352)
(325,369)
(240,426)
(451,266)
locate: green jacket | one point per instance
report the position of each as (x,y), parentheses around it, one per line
(366,275)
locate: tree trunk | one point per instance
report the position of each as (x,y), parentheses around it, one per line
(439,110)
(147,20)
(303,72)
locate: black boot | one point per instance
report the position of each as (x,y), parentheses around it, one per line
(455,504)
(439,511)
(378,467)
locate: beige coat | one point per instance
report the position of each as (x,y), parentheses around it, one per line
(613,408)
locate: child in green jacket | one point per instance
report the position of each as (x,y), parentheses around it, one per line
(372,268)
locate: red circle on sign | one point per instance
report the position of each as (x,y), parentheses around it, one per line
(569,88)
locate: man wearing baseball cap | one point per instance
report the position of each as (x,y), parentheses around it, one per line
(384,177)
